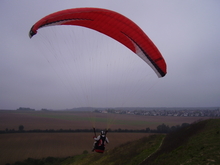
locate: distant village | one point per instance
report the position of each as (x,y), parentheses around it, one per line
(185,112)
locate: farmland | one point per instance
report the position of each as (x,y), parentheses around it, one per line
(19,146)
(84,120)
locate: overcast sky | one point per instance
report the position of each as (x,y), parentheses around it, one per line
(67,67)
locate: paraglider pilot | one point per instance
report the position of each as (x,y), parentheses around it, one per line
(99,144)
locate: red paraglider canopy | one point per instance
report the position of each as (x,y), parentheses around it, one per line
(113,25)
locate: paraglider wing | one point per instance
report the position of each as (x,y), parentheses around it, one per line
(113,25)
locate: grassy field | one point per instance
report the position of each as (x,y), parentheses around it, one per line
(19,146)
(197,143)
(84,120)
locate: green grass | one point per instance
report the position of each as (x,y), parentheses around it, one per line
(89,117)
(132,122)
(130,153)
(57,115)
(197,144)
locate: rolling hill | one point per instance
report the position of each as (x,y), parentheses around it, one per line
(198,143)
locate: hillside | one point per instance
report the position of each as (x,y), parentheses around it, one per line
(198,143)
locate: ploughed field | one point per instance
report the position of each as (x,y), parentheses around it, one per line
(19,146)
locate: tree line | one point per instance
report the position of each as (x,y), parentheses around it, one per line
(163,128)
